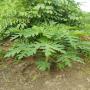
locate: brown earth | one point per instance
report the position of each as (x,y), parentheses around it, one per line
(26,77)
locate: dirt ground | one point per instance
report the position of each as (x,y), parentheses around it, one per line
(16,77)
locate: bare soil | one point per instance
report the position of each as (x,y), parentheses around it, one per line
(26,77)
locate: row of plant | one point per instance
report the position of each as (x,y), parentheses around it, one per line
(49,30)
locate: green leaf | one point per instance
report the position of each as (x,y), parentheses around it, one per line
(43,65)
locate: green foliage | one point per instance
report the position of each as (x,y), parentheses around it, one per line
(47,29)
(43,65)
(86,20)
(20,13)
(21,50)
(67,59)
(55,43)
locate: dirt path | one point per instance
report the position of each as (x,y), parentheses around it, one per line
(77,78)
